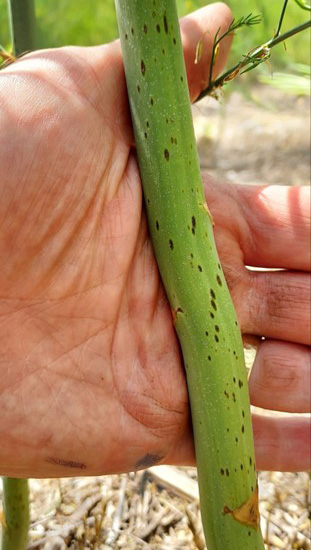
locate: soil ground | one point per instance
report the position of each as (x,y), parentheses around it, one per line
(265,139)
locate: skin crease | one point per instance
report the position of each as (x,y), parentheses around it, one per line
(91,378)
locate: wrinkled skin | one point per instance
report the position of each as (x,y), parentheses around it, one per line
(91,378)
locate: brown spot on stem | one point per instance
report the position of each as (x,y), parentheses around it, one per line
(165,24)
(247,513)
(142,67)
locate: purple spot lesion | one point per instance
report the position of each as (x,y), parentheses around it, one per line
(148,460)
(66,463)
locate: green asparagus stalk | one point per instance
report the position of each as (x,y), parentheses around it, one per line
(181,229)
(15,520)
(22,24)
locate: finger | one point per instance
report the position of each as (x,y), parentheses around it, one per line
(278,220)
(201,27)
(282,444)
(277,305)
(280,378)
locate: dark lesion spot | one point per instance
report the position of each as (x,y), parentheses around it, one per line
(213,295)
(145,28)
(157,225)
(147,460)
(240,384)
(200,268)
(166,154)
(170,242)
(143,67)
(158,28)
(165,24)
(193,223)
(66,463)
(213,304)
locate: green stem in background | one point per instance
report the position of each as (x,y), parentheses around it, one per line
(15,521)
(278,31)
(303,4)
(251,60)
(181,229)
(22,24)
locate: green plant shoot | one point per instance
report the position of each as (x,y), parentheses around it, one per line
(22,24)
(15,520)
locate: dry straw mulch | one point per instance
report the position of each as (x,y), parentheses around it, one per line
(156,509)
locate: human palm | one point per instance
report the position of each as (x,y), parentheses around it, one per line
(91,377)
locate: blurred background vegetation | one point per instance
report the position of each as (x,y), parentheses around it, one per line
(93,22)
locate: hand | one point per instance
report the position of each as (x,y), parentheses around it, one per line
(91,378)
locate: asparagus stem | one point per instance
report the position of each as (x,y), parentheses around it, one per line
(182,234)
(15,521)
(22,24)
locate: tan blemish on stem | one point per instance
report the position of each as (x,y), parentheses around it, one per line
(248,512)
(174,314)
(2,520)
(207,210)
